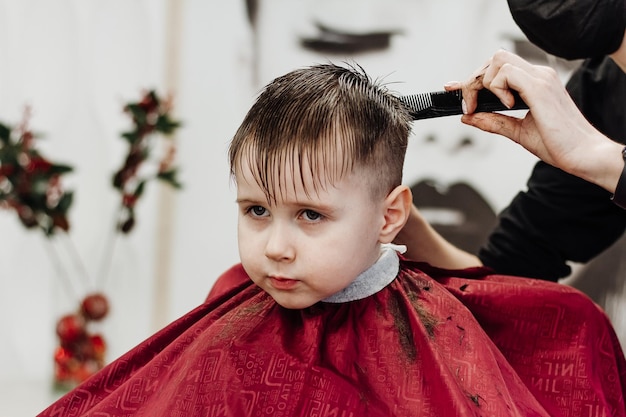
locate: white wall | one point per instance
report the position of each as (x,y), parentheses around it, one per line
(76,62)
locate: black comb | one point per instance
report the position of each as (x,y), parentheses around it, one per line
(448,103)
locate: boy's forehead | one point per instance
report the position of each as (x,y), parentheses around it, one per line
(290,171)
(301,188)
(324,158)
(297,176)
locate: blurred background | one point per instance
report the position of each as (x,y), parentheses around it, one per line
(76,63)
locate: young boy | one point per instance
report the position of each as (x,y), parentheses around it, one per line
(323,317)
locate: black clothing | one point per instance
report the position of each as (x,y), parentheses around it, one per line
(572,29)
(561,217)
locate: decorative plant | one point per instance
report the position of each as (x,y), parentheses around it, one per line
(30,185)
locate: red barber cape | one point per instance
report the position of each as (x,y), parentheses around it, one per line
(432,343)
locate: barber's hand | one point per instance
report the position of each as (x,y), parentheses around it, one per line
(490,75)
(553,129)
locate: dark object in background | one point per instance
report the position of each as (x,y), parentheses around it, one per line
(329,40)
(572,29)
(459,213)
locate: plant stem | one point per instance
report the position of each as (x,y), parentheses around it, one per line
(61,272)
(107,258)
(77,260)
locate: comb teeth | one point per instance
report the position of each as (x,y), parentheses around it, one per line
(417,102)
(447,103)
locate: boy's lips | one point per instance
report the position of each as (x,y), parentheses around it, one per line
(281,283)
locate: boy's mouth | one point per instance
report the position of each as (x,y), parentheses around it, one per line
(281,283)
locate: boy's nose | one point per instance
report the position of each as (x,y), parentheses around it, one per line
(279,246)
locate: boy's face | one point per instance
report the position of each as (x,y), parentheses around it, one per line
(305,247)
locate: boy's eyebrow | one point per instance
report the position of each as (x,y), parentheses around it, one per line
(246,200)
(327,208)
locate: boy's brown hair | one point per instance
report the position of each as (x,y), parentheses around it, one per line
(328,118)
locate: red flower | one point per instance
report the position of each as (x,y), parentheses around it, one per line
(94,307)
(38,164)
(70,329)
(6,170)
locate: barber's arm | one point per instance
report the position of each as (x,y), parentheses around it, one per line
(425,244)
(553,129)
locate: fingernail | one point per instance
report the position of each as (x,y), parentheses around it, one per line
(463,106)
(451,84)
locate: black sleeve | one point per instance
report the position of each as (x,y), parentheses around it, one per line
(560,217)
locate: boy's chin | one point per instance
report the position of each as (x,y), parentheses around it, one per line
(290,305)
(293,303)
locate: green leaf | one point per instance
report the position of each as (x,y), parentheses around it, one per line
(140,189)
(48,229)
(137,113)
(5,133)
(166,125)
(60,169)
(132,137)
(65,202)
(170,178)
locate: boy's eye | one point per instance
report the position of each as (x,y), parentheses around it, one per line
(311,215)
(257,211)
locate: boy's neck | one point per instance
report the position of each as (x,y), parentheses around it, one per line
(373,279)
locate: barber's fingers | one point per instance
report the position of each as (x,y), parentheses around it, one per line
(495,75)
(503,56)
(503,72)
(501,124)
(473,84)
(508,77)
(470,87)
(482,78)
(458,85)
(536,85)
(507,72)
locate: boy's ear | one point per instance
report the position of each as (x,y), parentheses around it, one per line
(397,207)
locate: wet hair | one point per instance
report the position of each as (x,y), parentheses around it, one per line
(324,118)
